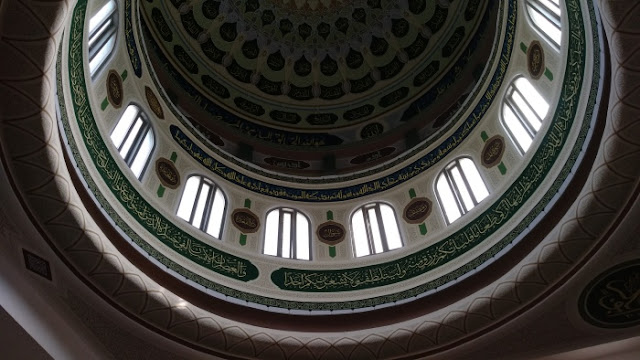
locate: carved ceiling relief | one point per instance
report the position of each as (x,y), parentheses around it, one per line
(266,69)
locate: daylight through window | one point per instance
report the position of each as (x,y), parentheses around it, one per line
(103,27)
(203,205)
(375,230)
(523,111)
(287,234)
(460,188)
(546,17)
(133,137)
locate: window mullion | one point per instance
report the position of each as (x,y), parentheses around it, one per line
(195,202)
(383,233)
(455,190)
(280,231)
(292,236)
(207,208)
(137,142)
(521,117)
(367,223)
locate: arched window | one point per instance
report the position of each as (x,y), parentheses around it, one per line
(523,111)
(545,15)
(133,137)
(375,229)
(103,27)
(203,205)
(460,188)
(287,234)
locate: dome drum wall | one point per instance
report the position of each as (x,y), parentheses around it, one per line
(149,190)
(268,276)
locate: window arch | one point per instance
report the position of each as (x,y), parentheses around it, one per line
(374,229)
(460,188)
(134,139)
(203,205)
(103,27)
(287,234)
(523,111)
(546,17)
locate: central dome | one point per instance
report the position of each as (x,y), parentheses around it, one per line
(316,88)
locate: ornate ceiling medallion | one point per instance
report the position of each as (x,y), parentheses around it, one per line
(492,151)
(167,173)
(245,220)
(417,210)
(535,60)
(114,89)
(612,300)
(331,233)
(154,103)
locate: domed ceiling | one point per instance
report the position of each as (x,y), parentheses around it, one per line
(319,87)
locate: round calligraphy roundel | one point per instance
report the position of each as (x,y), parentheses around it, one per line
(612,300)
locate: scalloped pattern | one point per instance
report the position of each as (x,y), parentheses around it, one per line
(33,154)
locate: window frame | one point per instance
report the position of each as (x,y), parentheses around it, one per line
(134,149)
(208,206)
(100,36)
(553,18)
(520,116)
(293,234)
(370,240)
(451,183)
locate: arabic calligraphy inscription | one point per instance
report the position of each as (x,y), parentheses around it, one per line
(612,300)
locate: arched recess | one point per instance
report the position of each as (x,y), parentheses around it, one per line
(287,234)
(203,205)
(103,30)
(374,229)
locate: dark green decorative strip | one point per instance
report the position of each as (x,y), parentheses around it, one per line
(548,74)
(484,136)
(134,56)
(104,104)
(174,157)
(124,75)
(243,239)
(423,229)
(160,191)
(502,168)
(145,214)
(523,47)
(412,193)
(329,215)
(332,251)
(247,203)
(487,223)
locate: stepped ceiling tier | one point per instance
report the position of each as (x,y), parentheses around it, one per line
(324,87)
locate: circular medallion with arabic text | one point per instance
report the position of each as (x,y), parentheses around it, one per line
(612,300)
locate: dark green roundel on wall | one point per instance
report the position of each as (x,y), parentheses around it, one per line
(612,300)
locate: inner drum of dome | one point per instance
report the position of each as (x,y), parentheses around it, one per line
(319,87)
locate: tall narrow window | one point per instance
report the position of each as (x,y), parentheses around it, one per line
(546,17)
(133,137)
(460,188)
(287,234)
(103,27)
(523,112)
(375,229)
(203,205)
